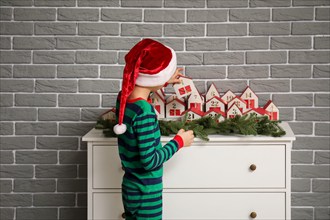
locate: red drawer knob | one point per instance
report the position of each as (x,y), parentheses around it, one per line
(253,167)
(253,214)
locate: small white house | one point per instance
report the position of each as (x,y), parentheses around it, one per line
(109,115)
(228,96)
(214,112)
(274,113)
(215,103)
(196,100)
(174,108)
(193,113)
(158,103)
(172,97)
(241,104)
(211,92)
(233,110)
(185,87)
(250,98)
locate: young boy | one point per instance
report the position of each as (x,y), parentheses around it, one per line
(150,65)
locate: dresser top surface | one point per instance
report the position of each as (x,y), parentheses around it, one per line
(96,135)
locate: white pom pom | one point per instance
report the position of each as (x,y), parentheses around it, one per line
(119,129)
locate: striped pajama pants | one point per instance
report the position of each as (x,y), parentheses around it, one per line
(142,206)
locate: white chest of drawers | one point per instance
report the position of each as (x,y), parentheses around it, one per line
(228,177)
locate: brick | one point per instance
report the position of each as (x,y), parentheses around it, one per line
(97,29)
(82,171)
(322,129)
(53,57)
(5,43)
(13,200)
(72,185)
(121,15)
(236,86)
(309,56)
(299,128)
(121,57)
(58,114)
(207,15)
(314,143)
(322,100)
(78,100)
(73,213)
(35,128)
(141,3)
(82,199)
(321,71)
(34,71)
(322,42)
(266,57)
(34,14)
(300,185)
(91,114)
(238,72)
(322,157)
(293,100)
(36,157)
(75,129)
(292,14)
(16,56)
(202,44)
(320,185)
(108,100)
(115,72)
(249,15)
(291,43)
(227,3)
(54,28)
(185,3)
(301,213)
(206,72)
(184,30)
(6,71)
(224,58)
(56,171)
(16,3)
(310,3)
(6,186)
(6,100)
(77,14)
(118,43)
(37,100)
(56,86)
(286,114)
(310,199)
(16,85)
(312,114)
(73,157)
(13,28)
(76,43)
(290,71)
(322,14)
(322,213)
(6,128)
(153,15)
(96,57)
(36,213)
(189,58)
(98,85)
(6,157)
(267,29)
(310,85)
(54,199)
(98,3)
(150,30)
(12,143)
(303,28)
(311,171)
(7,213)
(77,71)
(249,43)
(175,43)
(270,85)
(235,29)
(16,171)
(273,3)
(59,3)
(302,157)
(57,143)
(18,114)
(34,185)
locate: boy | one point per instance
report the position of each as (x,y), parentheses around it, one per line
(150,65)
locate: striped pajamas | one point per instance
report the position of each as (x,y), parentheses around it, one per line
(142,156)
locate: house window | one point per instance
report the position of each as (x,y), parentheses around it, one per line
(175,112)
(185,90)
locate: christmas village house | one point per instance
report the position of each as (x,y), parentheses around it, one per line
(193,113)
(272,110)
(212,92)
(174,108)
(233,110)
(185,87)
(215,103)
(214,112)
(158,101)
(228,96)
(241,104)
(250,98)
(109,115)
(196,100)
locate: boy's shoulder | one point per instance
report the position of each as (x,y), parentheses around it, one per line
(144,107)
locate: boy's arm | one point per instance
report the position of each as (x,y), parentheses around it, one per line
(151,157)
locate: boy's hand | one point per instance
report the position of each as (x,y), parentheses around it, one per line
(175,77)
(187,137)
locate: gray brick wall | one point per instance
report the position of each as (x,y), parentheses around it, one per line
(60,67)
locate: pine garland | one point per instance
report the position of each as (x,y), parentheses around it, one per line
(245,125)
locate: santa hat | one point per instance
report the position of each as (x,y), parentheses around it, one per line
(149,63)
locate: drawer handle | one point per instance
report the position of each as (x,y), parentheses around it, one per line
(253,214)
(123,215)
(253,167)
(123,168)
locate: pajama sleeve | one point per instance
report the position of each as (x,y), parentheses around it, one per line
(152,154)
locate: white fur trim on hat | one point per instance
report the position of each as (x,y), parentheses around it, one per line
(120,129)
(160,78)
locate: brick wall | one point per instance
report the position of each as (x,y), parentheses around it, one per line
(62,60)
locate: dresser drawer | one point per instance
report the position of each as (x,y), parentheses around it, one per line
(107,206)
(227,166)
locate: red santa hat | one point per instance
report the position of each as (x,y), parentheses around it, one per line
(149,63)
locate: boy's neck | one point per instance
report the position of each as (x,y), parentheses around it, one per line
(140,92)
